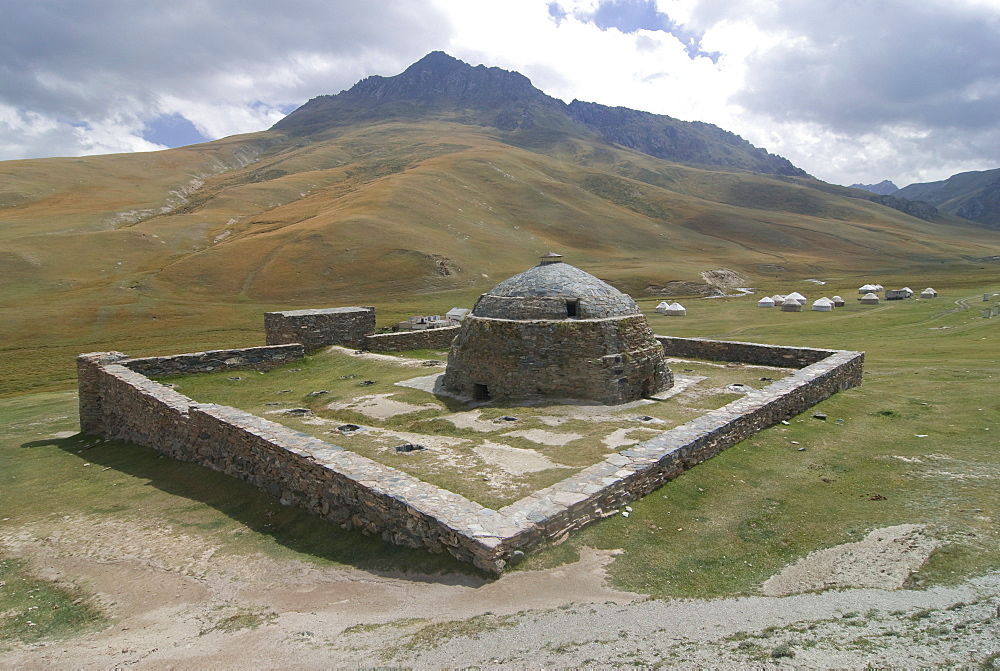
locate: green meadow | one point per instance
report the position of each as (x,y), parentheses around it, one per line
(915,444)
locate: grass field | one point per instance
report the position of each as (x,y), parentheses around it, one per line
(917,445)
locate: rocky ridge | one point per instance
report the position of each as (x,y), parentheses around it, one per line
(440,85)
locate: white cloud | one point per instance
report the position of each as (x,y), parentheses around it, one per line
(862,92)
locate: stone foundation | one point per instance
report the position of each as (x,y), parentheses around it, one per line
(117,401)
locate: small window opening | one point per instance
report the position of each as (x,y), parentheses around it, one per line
(480,392)
(572,308)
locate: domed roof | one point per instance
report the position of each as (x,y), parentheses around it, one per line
(549,290)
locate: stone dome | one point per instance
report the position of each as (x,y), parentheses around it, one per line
(556,332)
(554,290)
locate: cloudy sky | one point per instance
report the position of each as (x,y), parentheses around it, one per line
(849,90)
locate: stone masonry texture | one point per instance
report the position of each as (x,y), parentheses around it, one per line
(118,401)
(315,328)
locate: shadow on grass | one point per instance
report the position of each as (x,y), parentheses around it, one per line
(289,527)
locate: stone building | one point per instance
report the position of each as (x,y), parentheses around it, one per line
(555,331)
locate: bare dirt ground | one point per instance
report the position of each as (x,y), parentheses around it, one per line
(177,602)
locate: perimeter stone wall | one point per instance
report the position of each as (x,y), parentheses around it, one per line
(403,341)
(117,402)
(316,328)
(743,352)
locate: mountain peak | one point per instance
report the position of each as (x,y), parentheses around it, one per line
(439,85)
(883,188)
(440,77)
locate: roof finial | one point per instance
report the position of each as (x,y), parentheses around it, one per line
(551,257)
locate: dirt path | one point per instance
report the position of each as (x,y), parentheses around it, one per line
(177,602)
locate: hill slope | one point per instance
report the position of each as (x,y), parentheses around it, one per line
(409,204)
(971,195)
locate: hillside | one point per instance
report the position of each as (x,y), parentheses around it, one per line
(971,195)
(412,194)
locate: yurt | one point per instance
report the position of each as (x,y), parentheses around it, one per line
(838,302)
(877,288)
(928,293)
(869,299)
(675,310)
(797,296)
(908,291)
(866,289)
(766,302)
(791,305)
(822,305)
(778,299)
(663,307)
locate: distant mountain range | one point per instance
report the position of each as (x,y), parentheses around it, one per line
(417,193)
(443,86)
(971,195)
(883,188)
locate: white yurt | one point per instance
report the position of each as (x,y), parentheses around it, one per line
(877,288)
(675,310)
(866,289)
(869,299)
(797,296)
(663,307)
(822,305)
(908,291)
(838,302)
(791,305)
(928,293)
(766,302)
(778,299)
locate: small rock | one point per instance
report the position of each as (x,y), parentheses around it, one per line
(433,362)
(801,449)
(366,383)
(819,415)
(876,497)
(284,391)
(795,442)
(840,421)
(348,377)
(298,411)
(318,393)
(628,509)
(785,422)
(272,403)
(236,378)
(348,429)
(409,447)
(766,379)
(294,370)
(505,418)
(516,557)
(625,514)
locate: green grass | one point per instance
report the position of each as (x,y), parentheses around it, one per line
(744,514)
(32,609)
(762,504)
(326,378)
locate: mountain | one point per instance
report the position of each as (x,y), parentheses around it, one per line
(416,193)
(883,188)
(442,86)
(971,195)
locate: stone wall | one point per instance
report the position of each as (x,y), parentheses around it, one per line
(743,352)
(256,358)
(118,402)
(336,484)
(403,341)
(612,361)
(316,328)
